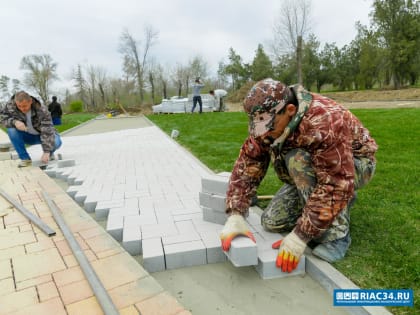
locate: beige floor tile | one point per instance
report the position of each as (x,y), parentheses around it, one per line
(135,292)
(10,239)
(33,282)
(75,292)
(5,269)
(7,286)
(68,276)
(161,304)
(47,291)
(89,306)
(17,300)
(42,263)
(53,307)
(131,310)
(124,270)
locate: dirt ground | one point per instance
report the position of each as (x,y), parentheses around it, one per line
(404,98)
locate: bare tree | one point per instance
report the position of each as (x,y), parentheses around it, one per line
(135,56)
(41,71)
(291,27)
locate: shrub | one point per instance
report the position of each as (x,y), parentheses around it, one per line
(76,106)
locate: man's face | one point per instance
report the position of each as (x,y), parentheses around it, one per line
(24,106)
(280,123)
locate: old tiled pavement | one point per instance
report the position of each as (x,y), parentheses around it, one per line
(39,274)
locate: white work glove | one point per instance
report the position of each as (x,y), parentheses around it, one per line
(234,226)
(291,249)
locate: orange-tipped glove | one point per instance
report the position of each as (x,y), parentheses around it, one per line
(234,226)
(291,249)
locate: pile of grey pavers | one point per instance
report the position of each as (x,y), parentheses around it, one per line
(184,105)
(243,251)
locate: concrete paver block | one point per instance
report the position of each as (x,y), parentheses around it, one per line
(114,226)
(131,240)
(185,254)
(215,184)
(181,238)
(153,255)
(243,252)
(267,269)
(211,241)
(65,163)
(158,230)
(211,215)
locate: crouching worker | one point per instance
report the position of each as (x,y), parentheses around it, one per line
(320,151)
(28,122)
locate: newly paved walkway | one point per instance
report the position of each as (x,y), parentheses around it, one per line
(144,168)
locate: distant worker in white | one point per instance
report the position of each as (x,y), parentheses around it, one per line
(219,96)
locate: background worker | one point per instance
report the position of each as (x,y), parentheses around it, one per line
(219,96)
(28,122)
(196,88)
(56,112)
(321,152)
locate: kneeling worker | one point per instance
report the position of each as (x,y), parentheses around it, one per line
(320,151)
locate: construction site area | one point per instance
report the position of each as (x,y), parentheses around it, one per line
(126,221)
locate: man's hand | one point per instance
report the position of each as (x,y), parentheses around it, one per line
(20,125)
(291,249)
(234,226)
(45,157)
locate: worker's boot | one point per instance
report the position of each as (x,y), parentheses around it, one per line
(25,163)
(334,250)
(334,245)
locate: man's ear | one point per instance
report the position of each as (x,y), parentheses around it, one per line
(290,110)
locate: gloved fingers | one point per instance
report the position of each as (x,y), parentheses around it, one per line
(286,261)
(227,241)
(276,244)
(251,236)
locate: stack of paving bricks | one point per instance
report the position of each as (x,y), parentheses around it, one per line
(147,188)
(243,252)
(213,197)
(40,275)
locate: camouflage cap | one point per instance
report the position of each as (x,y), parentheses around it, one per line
(265,99)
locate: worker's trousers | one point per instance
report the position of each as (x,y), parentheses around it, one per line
(286,207)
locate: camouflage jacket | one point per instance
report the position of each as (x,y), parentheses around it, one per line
(41,121)
(333,136)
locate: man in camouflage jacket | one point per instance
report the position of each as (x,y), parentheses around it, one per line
(28,122)
(321,152)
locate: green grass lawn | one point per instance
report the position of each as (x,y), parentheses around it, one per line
(385,219)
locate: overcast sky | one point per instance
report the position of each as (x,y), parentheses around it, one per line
(88,31)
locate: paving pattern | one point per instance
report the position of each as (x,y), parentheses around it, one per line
(148,187)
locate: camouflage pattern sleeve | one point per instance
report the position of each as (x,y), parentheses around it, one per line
(248,171)
(329,132)
(46,129)
(9,114)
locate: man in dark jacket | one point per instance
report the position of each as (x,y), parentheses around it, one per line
(321,152)
(28,122)
(55,110)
